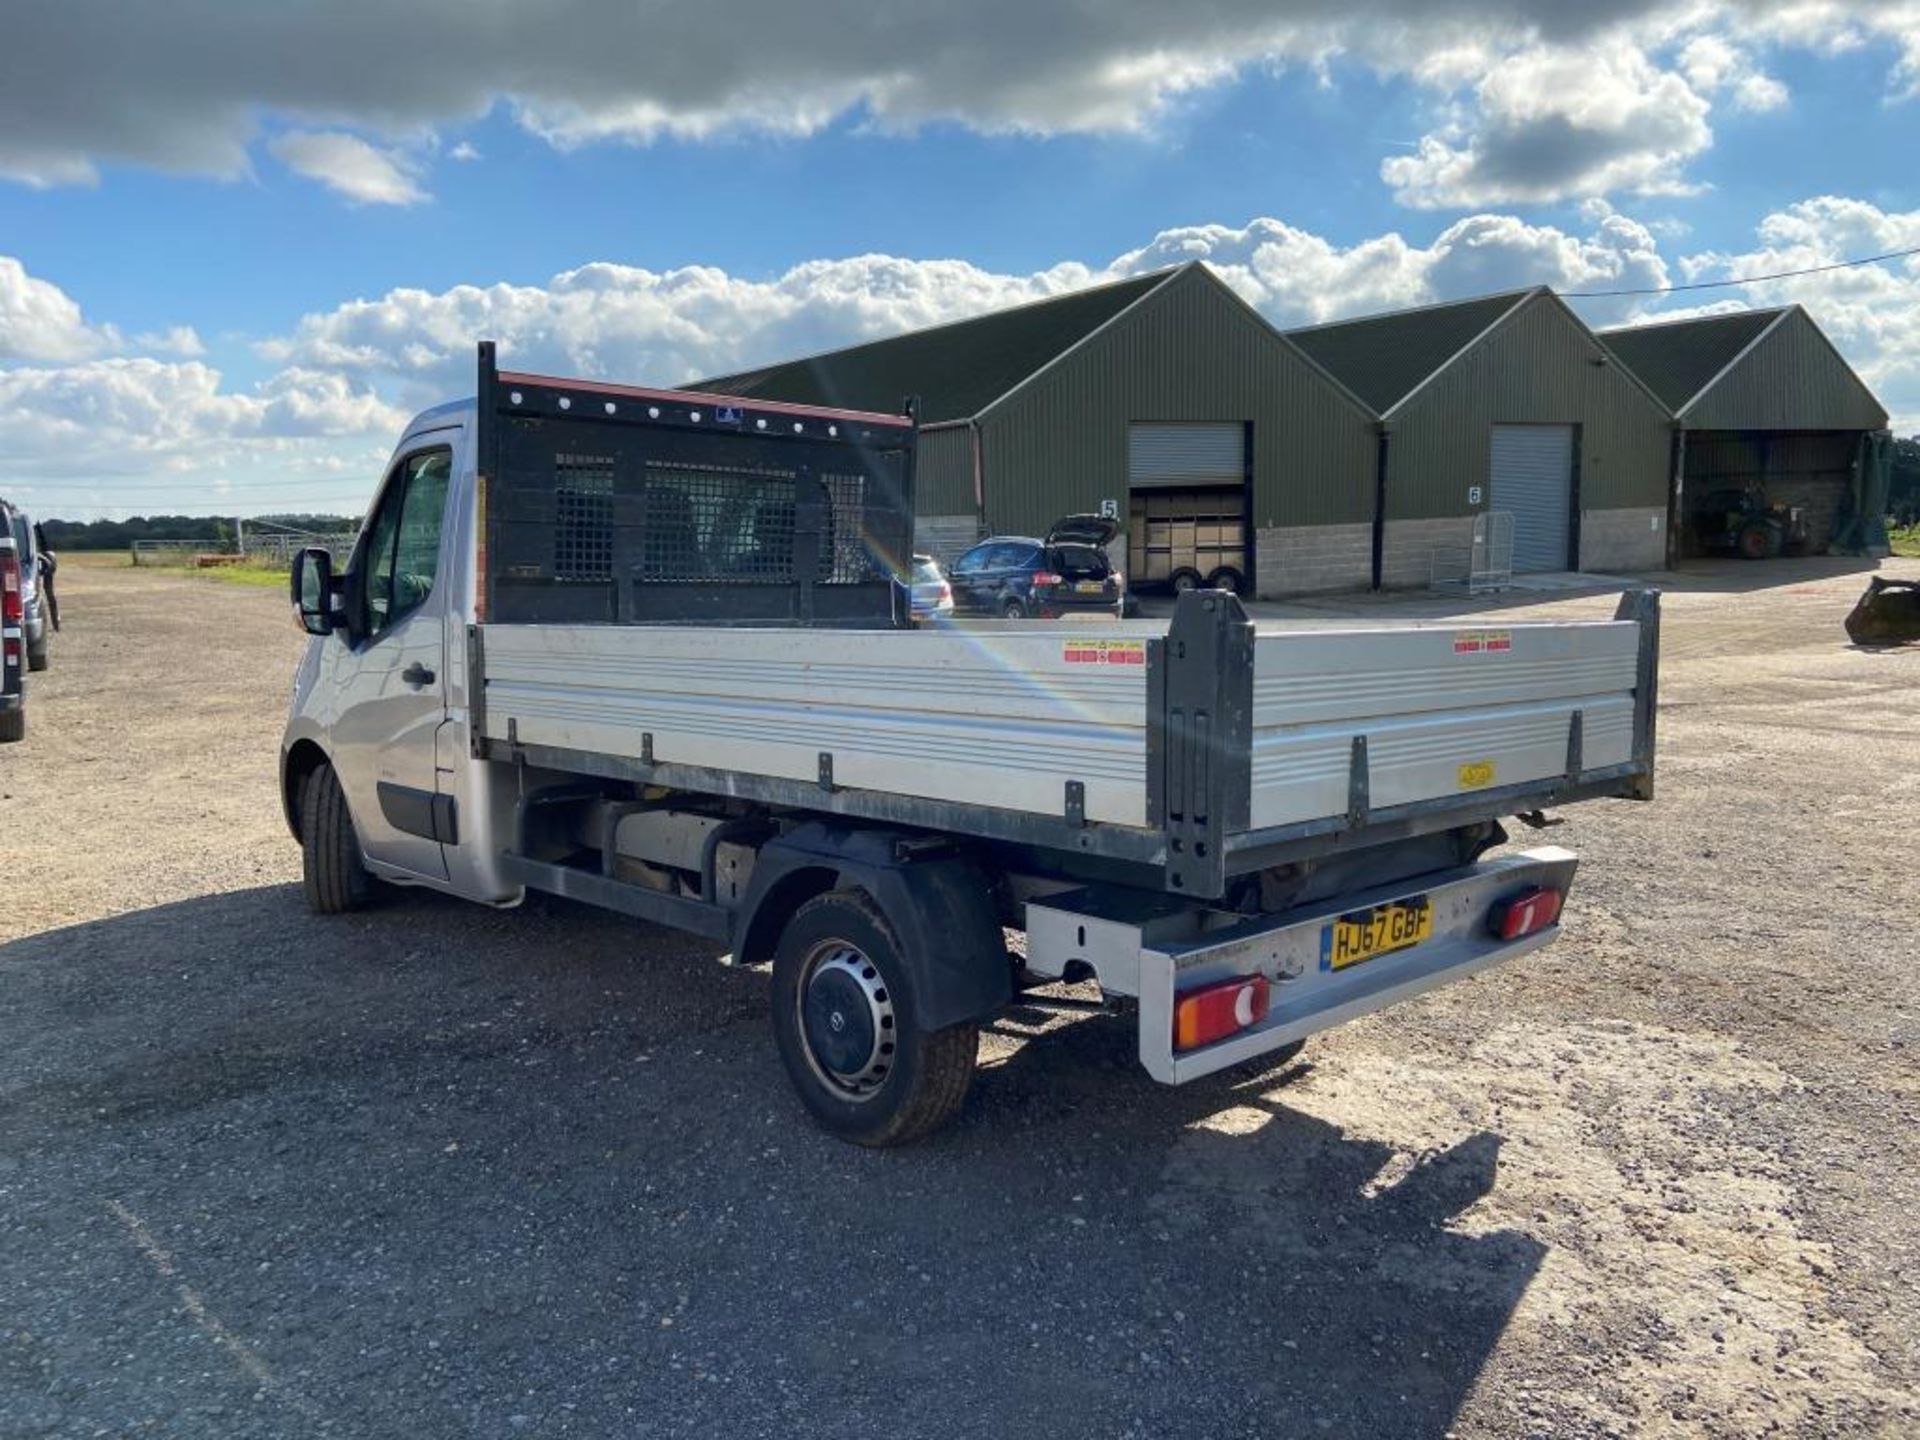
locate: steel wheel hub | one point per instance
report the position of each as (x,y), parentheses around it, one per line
(846,1019)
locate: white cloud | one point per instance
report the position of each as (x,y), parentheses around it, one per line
(464,151)
(1298,278)
(40,321)
(181,340)
(350,166)
(672,327)
(1533,98)
(73,429)
(1553,122)
(1712,65)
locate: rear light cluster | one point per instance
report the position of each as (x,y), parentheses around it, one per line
(12,606)
(1526,914)
(1045,578)
(1214,1012)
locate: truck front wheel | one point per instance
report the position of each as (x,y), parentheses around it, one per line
(844,1018)
(336,880)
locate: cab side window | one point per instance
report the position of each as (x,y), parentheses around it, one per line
(402,558)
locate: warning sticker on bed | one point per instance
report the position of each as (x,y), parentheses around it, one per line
(1481,642)
(1105,652)
(1477,774)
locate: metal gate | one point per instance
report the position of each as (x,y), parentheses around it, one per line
(1532,477)
(1162,454)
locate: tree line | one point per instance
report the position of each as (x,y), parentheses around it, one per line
(1903,493)
(213,531)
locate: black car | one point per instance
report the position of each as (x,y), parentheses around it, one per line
(1016,576)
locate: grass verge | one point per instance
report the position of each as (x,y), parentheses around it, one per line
(259,576)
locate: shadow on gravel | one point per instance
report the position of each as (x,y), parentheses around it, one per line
(438,1170)
(1718,576)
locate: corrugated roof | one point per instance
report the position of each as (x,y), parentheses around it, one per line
(956,370)
(1678,358)
(1383,358)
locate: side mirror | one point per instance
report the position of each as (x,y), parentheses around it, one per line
(314,593)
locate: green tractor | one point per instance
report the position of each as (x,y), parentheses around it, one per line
(1744,523)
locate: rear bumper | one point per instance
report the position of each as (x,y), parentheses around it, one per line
(1064,608)
(1307,997)
(1156,948)
(13,654)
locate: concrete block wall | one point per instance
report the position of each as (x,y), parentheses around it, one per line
(1313,559)
(1317,559)
(1631,539)
(1406,560)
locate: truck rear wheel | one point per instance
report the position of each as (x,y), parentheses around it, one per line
(37,659)
(336,880)
(13,726)
(844,1018)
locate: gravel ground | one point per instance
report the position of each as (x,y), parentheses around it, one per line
(439,1171)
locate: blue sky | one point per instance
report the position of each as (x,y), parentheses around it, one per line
(220,293)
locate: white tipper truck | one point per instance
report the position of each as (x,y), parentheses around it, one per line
(649,649)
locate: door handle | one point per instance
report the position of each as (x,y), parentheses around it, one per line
(417,675)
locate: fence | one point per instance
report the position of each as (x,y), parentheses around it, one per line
(1483,563)
(275,552)
(270,552)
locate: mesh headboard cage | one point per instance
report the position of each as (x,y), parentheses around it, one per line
(629,506)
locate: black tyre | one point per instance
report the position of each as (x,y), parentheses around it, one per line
(336,879)
(1185,580)
(13,726)
(1756,543)
(37,659)
(845,1023)
(1014,610)
(1228,579)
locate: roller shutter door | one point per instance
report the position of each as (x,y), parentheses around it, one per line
(1532,479)
(1167,454)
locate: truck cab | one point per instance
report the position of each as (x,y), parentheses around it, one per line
(381,696)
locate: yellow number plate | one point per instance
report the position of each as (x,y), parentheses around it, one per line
(1379,931)
(1089,587)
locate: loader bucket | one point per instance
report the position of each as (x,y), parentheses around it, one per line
(1888,614)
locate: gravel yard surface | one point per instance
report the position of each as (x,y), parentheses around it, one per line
(435,1170)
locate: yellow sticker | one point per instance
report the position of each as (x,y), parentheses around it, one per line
(1476,775)
(1105,652)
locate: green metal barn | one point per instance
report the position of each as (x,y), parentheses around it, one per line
(1164,398)
(1356,454)
(1503,403)
(1764,402)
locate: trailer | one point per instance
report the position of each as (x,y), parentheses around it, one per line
(652,650)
